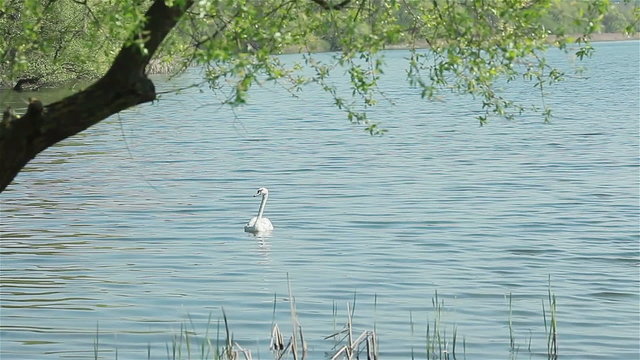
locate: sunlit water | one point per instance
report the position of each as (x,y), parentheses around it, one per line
(134,228)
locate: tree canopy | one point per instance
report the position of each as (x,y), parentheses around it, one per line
(473,43)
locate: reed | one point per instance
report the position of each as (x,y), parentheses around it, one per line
(441,342)
(549,316)
(438,345)
(512,339)
(347,346)
(350,347)
(551,328)
(96,342)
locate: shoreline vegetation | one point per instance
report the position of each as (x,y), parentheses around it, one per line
(616,36)
(320,45)
(61,59)
(602,37)
(157,66)
(440,337)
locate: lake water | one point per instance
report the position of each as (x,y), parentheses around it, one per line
(134,228)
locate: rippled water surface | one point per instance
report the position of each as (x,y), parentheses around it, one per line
(134,228)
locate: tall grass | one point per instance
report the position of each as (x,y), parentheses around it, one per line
(441,342)
(549,317)
(551,328)
(439,346)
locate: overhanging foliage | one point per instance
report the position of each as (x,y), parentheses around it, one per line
(473,43)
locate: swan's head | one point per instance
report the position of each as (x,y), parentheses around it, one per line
(262,191)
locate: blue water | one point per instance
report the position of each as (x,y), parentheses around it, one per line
(133,228)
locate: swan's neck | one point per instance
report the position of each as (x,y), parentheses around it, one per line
(262,204)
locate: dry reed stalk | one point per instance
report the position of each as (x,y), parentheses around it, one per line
(366,342)
(277,340)
(353,349)
(296,328)
(245,352)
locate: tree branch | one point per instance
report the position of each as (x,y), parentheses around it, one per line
(329,6)
(124,85)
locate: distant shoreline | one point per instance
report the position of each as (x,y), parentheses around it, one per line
(614,37)
(603,37)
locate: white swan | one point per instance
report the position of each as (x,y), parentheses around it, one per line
(259,223)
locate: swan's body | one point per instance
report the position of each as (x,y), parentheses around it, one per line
(256,225)
(260,223)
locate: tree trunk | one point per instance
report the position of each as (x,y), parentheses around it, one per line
(123,86)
